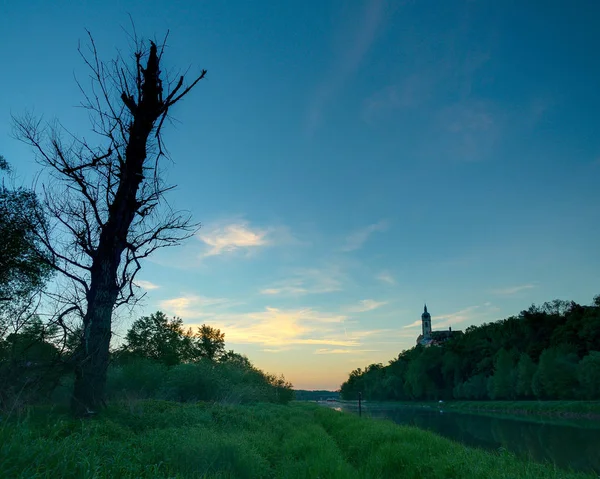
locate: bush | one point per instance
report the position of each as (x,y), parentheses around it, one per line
(141,378)
(588,373)
(231,382)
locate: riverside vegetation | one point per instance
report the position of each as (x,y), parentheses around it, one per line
(160,439)
(182,406)
(548,352)
(159,359)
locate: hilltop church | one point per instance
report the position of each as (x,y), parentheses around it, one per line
(433,338)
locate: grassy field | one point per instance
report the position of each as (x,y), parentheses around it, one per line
(159,439)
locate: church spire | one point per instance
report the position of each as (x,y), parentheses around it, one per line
(426,322)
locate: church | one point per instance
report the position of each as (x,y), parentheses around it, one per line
(433,338)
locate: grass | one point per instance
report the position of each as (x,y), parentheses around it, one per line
(160,439)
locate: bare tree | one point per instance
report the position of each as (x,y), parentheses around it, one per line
(106,202)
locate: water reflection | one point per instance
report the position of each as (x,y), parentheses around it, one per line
(568,444)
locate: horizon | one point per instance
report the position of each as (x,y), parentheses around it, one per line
(349,163)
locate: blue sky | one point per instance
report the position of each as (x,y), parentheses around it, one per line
(349,160)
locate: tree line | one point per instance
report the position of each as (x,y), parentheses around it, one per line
(550,351)
(159,358)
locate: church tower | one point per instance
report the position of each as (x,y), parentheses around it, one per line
(426,320)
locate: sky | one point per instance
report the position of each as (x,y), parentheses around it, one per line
(348,161)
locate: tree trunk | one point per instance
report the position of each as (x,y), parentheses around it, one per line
(92,362)
(90,372)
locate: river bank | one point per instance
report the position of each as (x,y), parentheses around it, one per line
(563,409)
(566,409)
(157,439)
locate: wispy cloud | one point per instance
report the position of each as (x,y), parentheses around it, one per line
(147,285)
(358,238)
(277,329)
(307,281)
(366,305)
(408,93)
(232,237)
(192,306)
(356,43)
(344,351)
(413,324)
(468,130)
(386,277)
(513,289)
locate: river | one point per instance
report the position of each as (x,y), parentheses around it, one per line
(568,443)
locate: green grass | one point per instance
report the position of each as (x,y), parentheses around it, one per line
(159,439)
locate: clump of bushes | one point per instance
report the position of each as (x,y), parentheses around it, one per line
(159,359)
(225,381)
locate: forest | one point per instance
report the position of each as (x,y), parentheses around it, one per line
(546,352)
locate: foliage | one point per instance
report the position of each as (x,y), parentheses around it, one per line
(156,337)
(29,365)
(503,381)
(526,370)
(209,342)
(547,352)
(317,395)
(159,439)
(161,359)
(23,265)
(203,380)
(588,373)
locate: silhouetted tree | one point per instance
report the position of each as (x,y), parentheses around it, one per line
(210,342)
(156,337)
(105,204)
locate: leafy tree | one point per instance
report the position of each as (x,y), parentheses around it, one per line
(476,387)
(104,207)
(23,266)
(588,373)
(156,337)
(503,380)
(418,382)
(210,342)
(556,376)
(29,364)
(525,372)
(240,360)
